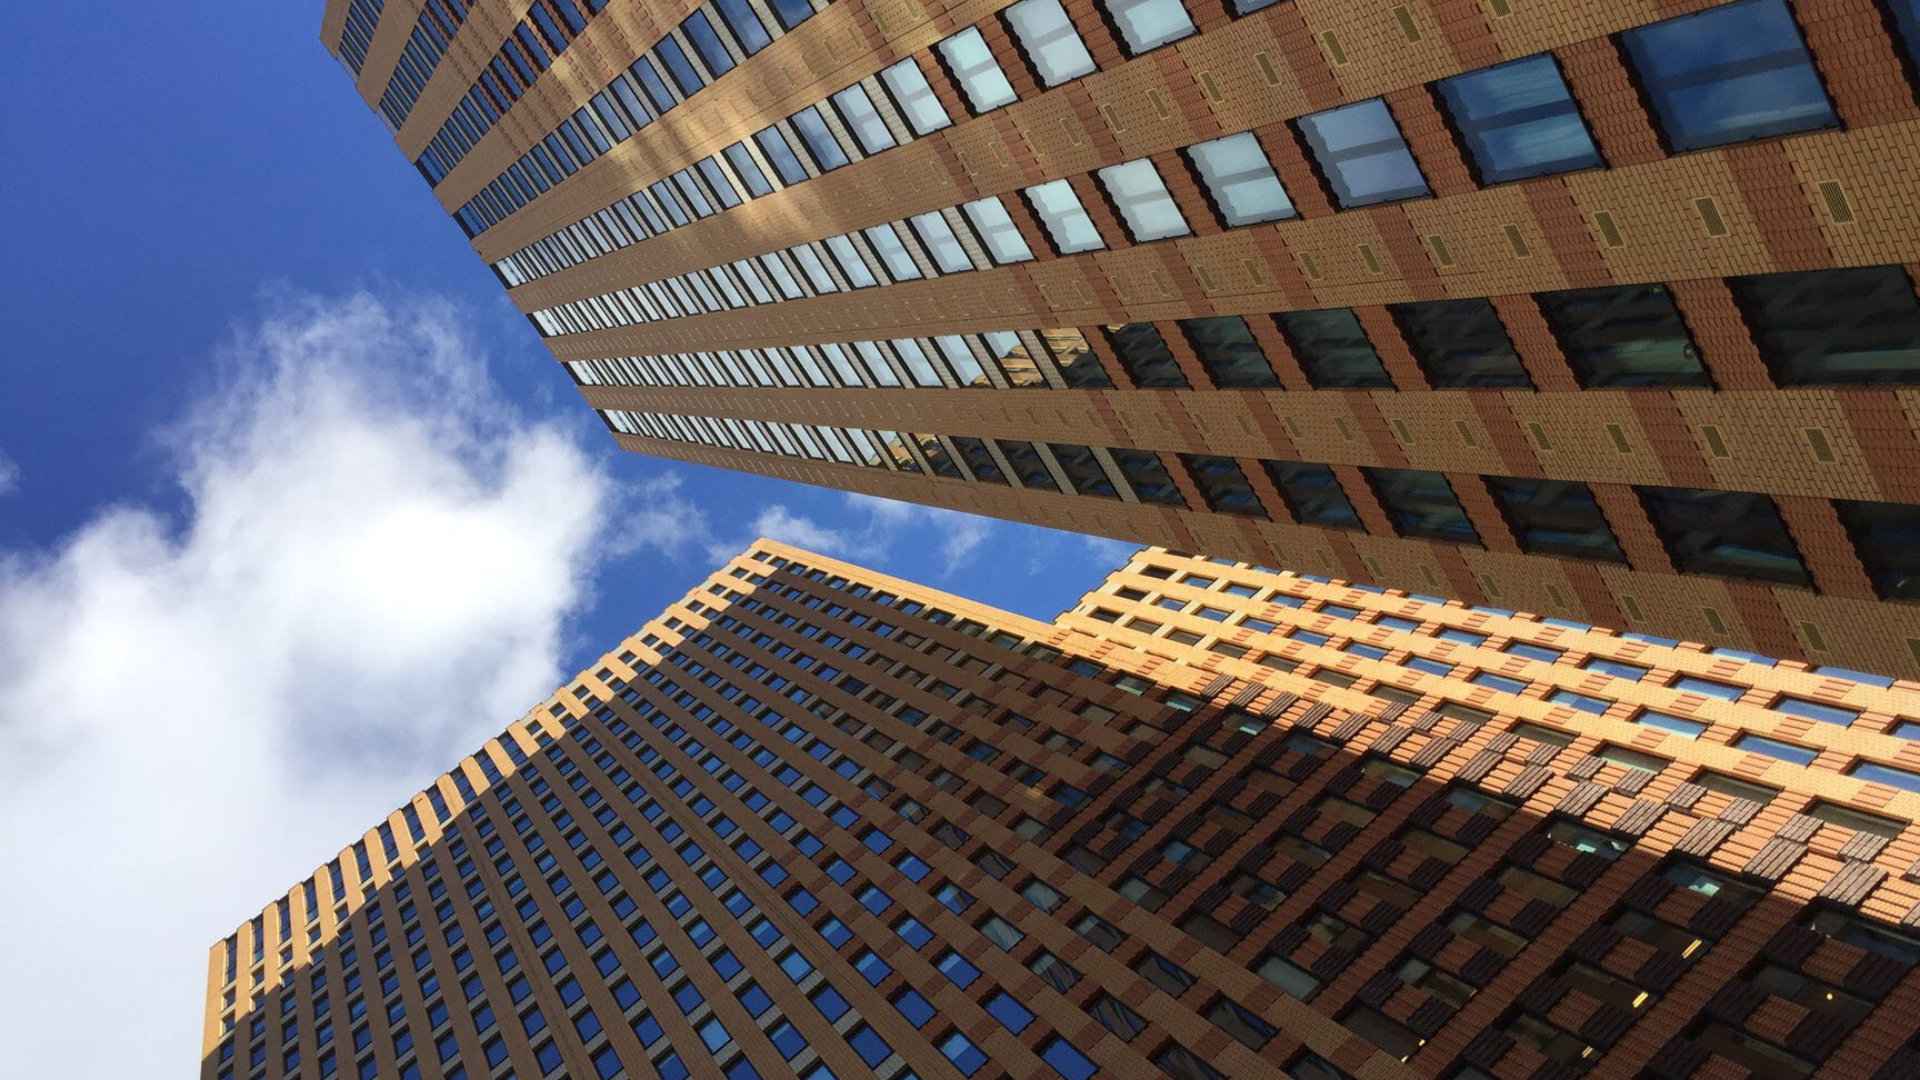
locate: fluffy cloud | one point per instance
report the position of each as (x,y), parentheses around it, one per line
(9,476)
(371,575)
(875,528)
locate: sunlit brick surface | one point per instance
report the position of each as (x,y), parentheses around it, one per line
(1213,822)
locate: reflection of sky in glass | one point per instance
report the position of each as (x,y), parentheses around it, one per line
(1050,40)
(973,64)
(1147,24)
(1362,154)
(1066,220)
(1242,182)
(1731,73)
(1519,120)
(1143,200)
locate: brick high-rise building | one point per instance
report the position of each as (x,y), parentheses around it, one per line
(1215,822)
(1591,308)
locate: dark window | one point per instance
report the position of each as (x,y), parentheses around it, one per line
(1083,470)
(1243,1025)
(1555,517)
(791,12)
(1148,476)
(1179,1062)
(1027,465)
(1223,485)
(1077,364)
(938,457)
(1728,74)
(1144,354)
(1460,343)
(1333,349)
(1859,325)
(1115,1017)
(1227,350)
(979,459)
(1422,503)
(1518,120)
(1627,335)
(1313,494)
(1887,538)
(1736,534)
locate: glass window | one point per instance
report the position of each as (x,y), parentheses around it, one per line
(1822,327)
(965,1056)
(1421,503)
(747,28)
(1362,155)
(706,42)
(893,253)
(827,152)
(748,170)
(972,65)
(1240,180)
(1736,534)
(1065,219)
(791,12)
(998,234)
(1148,476)
(1731,73)
(1149,24)
(1027,464)
(1223,485)
(1313,494)
(1067,1060)
(1461,343)
(1624,335)
(943,247)
(979,459)
(1078,366)
(857,111)
(1333,349)
(1143,201)
(1785,751)
(1555,517)
(1227,350)
(1143,352)
(1083,470)
(1047,37)
(679,66)
(1887,538)
(1518,120)
(914,97)
(773,144)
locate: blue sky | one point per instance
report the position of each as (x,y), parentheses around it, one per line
(294,508)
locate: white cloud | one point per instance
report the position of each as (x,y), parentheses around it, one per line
(9,476)
(875,527)
(371,576)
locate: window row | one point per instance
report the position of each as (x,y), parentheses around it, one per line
(363,18)
(439,21)
(973,236)
(1001,359)
(541,36)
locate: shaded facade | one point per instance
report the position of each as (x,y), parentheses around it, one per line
(1592,309)
(1215,822)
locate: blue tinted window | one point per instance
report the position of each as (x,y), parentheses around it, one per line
(1884,774)
(871,1047)
(819,139)
(1362,155)
(1432,667)
(1708,688)
(1799,755)
(955,967)
(747,28)
(915,1008)
(707,43)
(1013,1014)
(965,1056)
(781,156)
(1499,682)
(1731,73)
(1616,668)
(1421,503)
(791,12)
(1067,1060)
(1313,494)
(1579,701)
(1519,120)
(1813,710)
(678,66)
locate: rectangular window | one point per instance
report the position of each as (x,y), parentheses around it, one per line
(1143,352)
(1047,37)
(1223,485)
(1147,475)
(1729,533)
(1313,494)
(1728,74)
(1785,751)
(914,97)
(1066,221)
(1362,155)
(1830,327)
(1149,24)
(1623,335)
(1886,536)
(1083,470)
(1422,503)
(1240,181)
(1518,120)
(863,120)
(1553,517)
(1143,201)
(942,245)
(1027,464)
(972,65)
(1226,348)
(819,138)
(773,143)
(1333,349)
(997,231)
(1461,344)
